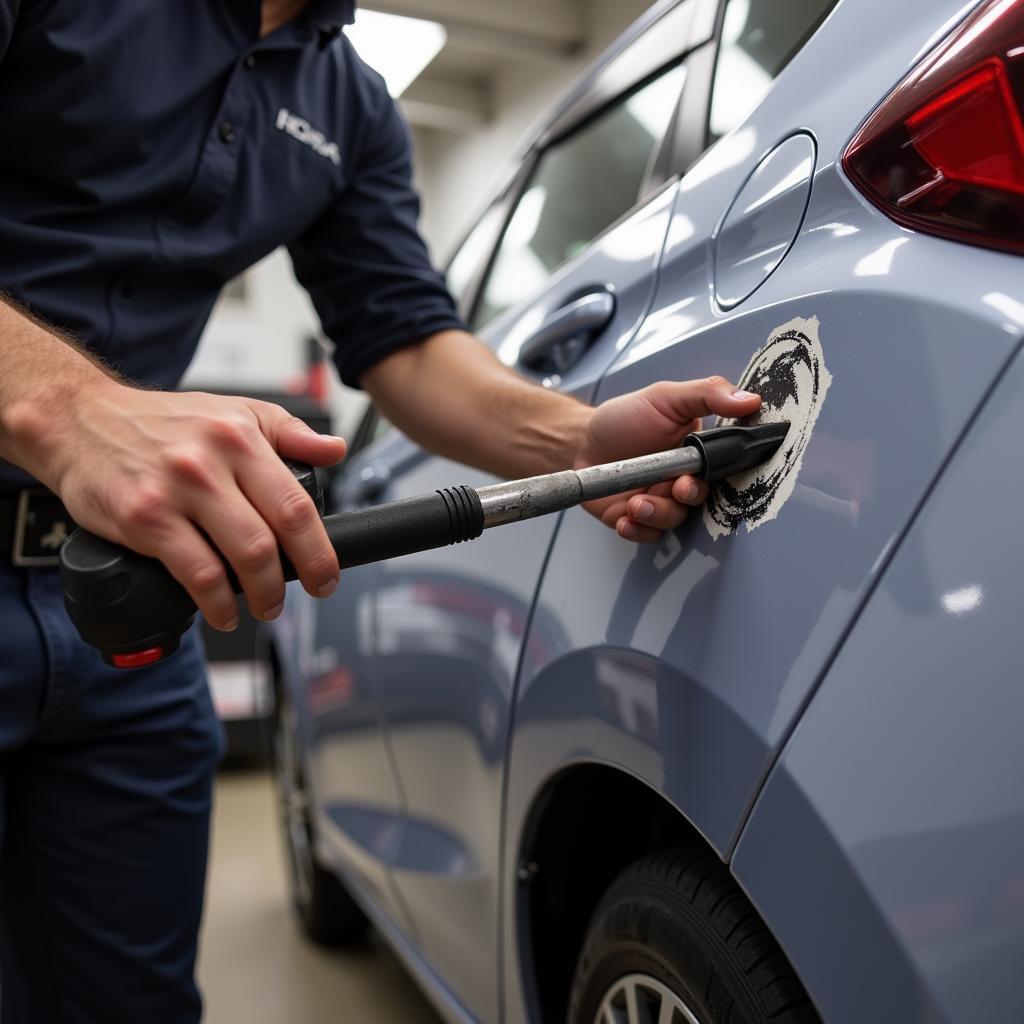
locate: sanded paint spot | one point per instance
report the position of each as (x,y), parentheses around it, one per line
(789,374)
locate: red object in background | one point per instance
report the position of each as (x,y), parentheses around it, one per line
(944,152)
(313,381)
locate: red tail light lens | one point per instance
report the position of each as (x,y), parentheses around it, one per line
(944,153)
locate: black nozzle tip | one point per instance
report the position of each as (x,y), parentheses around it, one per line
(730,450)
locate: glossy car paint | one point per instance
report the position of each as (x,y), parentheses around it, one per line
(887,844)
(685,665)
(763,220)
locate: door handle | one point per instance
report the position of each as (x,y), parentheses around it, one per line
(557,345)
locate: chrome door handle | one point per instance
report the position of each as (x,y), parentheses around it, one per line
(559,343)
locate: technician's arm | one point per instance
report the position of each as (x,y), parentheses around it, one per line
(453,396)
(151,469)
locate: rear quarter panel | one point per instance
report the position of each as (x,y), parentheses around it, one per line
(887,850)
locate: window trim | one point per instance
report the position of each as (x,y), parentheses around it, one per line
(644,193)
(505,204)
(636,57)
(586,102)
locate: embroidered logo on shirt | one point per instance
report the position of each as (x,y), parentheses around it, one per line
(300,129)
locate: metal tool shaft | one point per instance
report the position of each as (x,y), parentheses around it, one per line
(514,500)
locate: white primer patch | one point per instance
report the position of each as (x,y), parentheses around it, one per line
(789,374)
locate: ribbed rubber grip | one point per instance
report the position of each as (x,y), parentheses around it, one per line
(448,516)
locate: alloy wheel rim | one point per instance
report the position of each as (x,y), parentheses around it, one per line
(642,999)
(293,803)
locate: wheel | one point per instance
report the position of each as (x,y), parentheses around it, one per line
(674,941)
(326,911)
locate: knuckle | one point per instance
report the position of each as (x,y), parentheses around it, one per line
(235,431)
(321,563)
(205,576)
(716,381)
(257,551)
(146,505)
(296,511)
(189,463)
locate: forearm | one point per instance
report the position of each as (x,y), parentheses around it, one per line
(454,397)
(41,374)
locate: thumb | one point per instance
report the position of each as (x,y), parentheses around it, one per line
(297,440)
(693,399)
(293,438)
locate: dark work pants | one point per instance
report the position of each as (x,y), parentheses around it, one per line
(105,789)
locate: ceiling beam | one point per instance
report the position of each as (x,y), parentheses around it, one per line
(558,22)
(511,46)
(449,106)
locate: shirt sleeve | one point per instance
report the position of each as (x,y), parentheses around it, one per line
(363,261)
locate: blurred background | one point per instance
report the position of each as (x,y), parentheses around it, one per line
(471,76)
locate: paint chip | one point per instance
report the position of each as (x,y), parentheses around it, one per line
(789,374)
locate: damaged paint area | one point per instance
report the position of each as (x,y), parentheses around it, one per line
(789,374)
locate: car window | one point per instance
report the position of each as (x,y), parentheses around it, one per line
(581,184)
(475,248)
(759,38)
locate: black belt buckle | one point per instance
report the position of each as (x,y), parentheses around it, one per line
(41,525)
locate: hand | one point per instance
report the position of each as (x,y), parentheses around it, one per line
(655,419)
(150,470)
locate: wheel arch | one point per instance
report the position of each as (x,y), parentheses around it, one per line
(568,858)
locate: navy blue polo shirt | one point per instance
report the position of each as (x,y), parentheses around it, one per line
(152,150)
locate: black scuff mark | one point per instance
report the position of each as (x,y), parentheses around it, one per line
(788,364)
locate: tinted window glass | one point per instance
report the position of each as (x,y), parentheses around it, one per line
(463,267)
(759,38)
(581,184)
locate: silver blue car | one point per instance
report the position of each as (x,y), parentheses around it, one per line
(770,769)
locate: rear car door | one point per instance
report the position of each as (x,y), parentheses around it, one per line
(567,287)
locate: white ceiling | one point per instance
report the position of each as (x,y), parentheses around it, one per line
(485,38)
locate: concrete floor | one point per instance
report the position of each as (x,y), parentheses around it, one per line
(254,965)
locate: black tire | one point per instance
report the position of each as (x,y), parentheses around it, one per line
(326,911)
(678,918)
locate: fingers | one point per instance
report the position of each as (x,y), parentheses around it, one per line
(247,541)
(289,513)
(627,529)
(689,490)
(193,563)
(692,399)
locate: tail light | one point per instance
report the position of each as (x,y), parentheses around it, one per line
(944,153)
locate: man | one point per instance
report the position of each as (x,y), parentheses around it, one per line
(146,157)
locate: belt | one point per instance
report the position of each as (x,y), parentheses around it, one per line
(33,525)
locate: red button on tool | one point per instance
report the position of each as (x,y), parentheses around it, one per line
(138,658)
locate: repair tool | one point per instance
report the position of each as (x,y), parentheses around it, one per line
(130,607)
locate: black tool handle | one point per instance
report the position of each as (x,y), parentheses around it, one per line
(449,516)
(131,608)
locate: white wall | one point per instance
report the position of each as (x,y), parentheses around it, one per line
(258,344)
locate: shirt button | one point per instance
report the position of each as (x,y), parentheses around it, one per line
(249,62)
(226,132)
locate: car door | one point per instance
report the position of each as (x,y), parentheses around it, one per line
(563,293)
(357,799)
